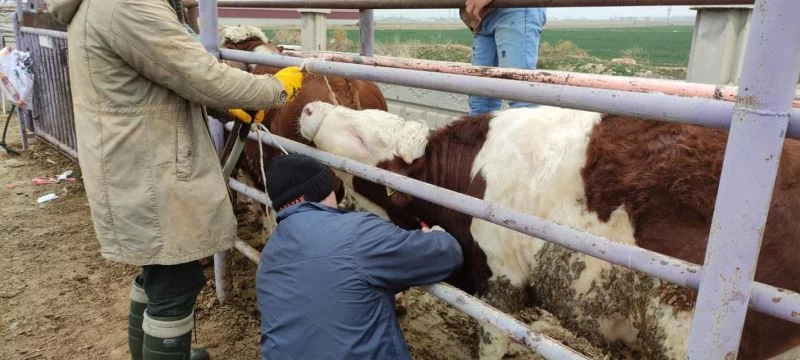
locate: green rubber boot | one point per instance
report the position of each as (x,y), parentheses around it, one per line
(135,316)
(170,339)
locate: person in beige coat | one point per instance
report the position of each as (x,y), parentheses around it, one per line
(156,191)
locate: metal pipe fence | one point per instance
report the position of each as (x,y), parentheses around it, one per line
(758,113)
(653,106)
(51,116)
(451,4)
(608,82)
(752,157)
(761,117)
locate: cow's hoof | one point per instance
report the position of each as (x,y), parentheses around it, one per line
(400,304)
(400,310)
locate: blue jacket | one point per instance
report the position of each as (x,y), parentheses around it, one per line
(327,278)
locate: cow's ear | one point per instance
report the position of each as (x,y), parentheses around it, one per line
(397,166)
(399,199)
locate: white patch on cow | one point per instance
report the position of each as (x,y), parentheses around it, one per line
(546,147)
(618,327)
(494,343)
(618,228)
(239,33)
(265,49)
(368,136)
(676,328)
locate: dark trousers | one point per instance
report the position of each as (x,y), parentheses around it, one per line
(171,289)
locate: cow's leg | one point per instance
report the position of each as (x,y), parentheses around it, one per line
(493,344)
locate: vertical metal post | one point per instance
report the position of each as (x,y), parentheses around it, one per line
(769,78)
(209,26)
(210,39)
(313,29)
(21,113)
(367,29)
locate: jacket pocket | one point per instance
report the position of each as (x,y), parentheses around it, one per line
(183,144)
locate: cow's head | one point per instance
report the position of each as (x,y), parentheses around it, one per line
(368,136)
(247,38)
(373,137)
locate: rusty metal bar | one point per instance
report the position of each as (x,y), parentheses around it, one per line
(609,82)
(770,71)
(659,107)
(780,303)
(451,4)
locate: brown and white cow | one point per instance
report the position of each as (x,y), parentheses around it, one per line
(644,183)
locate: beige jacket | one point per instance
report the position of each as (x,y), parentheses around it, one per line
(152,176)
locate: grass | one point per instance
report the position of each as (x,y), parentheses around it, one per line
(655,46)
(658,51)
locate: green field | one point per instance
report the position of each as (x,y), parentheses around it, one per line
(654,46)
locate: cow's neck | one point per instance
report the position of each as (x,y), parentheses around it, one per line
(448,163)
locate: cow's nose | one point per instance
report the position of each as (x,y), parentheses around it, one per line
(307,111)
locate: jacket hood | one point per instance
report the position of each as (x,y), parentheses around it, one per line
(63,10)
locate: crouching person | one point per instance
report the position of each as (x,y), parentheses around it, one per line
(327,277)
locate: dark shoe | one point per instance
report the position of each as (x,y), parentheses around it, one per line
(135,316)
(170,339)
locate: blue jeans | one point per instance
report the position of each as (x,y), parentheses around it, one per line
(509,38)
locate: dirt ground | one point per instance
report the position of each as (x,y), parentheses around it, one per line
(59,299)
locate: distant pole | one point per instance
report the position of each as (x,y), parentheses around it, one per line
(669,15)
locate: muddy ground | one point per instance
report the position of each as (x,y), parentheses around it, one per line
(59,299)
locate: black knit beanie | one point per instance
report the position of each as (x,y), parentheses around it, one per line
(297,178)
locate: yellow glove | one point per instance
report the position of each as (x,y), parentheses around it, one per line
(245,117)
(292,79)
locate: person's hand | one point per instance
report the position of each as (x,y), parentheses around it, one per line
(292,79)
(475,7)
(247,117)
(424,227)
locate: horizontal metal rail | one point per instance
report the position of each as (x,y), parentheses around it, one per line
(46,32)
(248,251)
(659,107)
(542,344)
(780,303)
(451,4)
(250,192)
(596,81)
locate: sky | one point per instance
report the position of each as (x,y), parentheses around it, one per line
(558,13)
